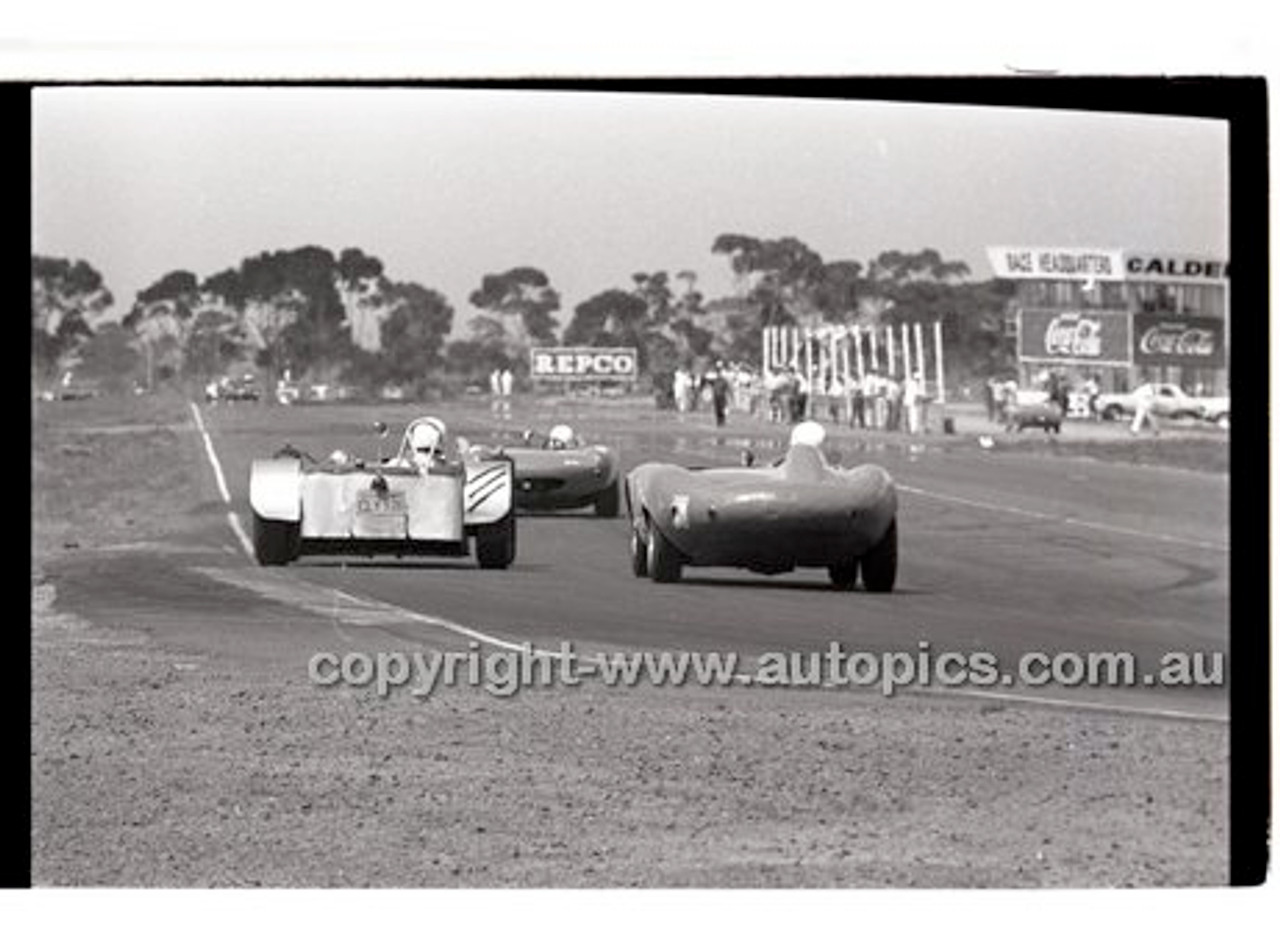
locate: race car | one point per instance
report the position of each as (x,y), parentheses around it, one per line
(559,472)
(431,498)
(801,512)
(1044,414)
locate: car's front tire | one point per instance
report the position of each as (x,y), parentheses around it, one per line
(663,561)
(608,501)
(496,543)
(275,542)
(880,563)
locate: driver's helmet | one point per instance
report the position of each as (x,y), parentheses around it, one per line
(426,439)
(560,437)
(808,433)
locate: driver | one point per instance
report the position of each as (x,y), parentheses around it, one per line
(561,437)
(809,433)
(426,441)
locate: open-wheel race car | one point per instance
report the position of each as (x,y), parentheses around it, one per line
(558,471)
(430,499)
(800,512)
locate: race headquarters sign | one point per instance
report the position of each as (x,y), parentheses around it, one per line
(1066,263)
(583,364)
(1163,339)
(1067,336)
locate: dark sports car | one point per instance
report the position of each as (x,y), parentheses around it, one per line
(1044,414)
(800,512)
(557,471)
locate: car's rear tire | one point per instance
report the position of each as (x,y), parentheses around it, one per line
(639,553)
(880,563)
(275,542)
(844,575)
(496,543)
(1112,413)
(608,501)
(663,561)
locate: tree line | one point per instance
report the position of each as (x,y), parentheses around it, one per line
(340,318)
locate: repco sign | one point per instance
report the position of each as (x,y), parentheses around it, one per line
(1178,340)
(1097,338)
(581,364)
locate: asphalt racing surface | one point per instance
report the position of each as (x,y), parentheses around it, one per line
(1004,553)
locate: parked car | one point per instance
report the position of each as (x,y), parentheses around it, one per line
(1167,400)
(237,389)
(1216,409)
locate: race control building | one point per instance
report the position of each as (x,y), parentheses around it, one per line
(1127,317)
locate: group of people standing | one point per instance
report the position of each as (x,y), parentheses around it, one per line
(785,395)
(501,382)
(723,384)
(871,401)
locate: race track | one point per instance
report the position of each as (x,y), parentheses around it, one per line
(1004,553)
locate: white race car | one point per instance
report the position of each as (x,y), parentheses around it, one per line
(429,499)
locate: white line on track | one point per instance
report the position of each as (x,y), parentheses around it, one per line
(748,680)
(1089,705)
(1070,521)
(238,530)
(232,519)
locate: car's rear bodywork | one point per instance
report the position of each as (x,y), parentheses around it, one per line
(802,512)
(396,507)
(1044,414)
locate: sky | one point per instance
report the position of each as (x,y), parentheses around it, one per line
(446,185)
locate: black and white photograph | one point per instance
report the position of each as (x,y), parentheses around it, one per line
(603,484)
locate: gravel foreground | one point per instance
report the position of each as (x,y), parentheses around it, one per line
(155,767)
(158,766)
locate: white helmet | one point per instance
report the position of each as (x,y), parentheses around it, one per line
(808,433)
(426,437)
(561,436)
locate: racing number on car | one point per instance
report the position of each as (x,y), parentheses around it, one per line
(372,502)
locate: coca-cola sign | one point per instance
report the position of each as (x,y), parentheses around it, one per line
(1178,340)
(1090,337)
(1074,336)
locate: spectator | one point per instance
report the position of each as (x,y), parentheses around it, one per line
(911,403)
(876,400)
(1008,396)
(800,396)
(1144,412)
(893,403)
(718,379)
(835,397)
(858,405)
(682,385)
(1091,390)
(991,392)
